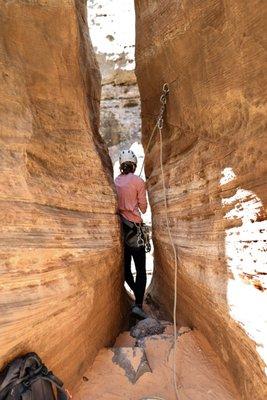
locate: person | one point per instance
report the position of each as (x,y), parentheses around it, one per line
(132,202)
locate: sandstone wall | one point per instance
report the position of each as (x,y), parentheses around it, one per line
(211,54)
(60,280)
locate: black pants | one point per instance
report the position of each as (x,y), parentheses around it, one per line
(139,285)
(139,256)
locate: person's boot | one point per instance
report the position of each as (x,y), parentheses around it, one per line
(137,310)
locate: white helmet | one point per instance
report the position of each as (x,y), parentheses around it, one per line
(127,155)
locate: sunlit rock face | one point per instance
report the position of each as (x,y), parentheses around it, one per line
(60,254)
(112,29)
(210,53)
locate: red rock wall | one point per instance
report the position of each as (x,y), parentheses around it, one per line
(211,54)
(60,279)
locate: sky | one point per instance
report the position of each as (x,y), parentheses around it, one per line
(112,28)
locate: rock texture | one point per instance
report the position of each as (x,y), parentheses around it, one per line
(133,360)
(201,375)
(120,113)
(60,280)
(113,36)
(211,54)
(147,327)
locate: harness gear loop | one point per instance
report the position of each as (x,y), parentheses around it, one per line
(143,238)
(140,240)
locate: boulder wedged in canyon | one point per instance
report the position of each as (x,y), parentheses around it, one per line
(60,279)
(211,55)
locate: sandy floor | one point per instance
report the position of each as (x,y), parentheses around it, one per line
(200,374)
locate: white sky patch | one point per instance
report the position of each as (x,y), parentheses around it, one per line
(227,176)
(245,251)
(247,205)
(112,29)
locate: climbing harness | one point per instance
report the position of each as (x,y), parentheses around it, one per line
(136,235)
(140,239)
(159,125)
(143,234)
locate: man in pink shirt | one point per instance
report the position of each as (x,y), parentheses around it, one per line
(131,202)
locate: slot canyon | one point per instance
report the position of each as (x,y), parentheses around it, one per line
(61,271)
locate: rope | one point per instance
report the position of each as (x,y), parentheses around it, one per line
(152,398)
(159,125)
(159,122)
(147,147)
(175,267)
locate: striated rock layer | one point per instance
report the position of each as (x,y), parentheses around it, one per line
(211,54)
(113,37)
(120,124)
(60,280)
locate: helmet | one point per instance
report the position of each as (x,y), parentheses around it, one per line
(127,155)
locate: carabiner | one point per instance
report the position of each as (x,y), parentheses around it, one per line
(160,123)
(163,99)
(165,88)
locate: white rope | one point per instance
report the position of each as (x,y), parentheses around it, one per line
(159,125)
(152,398)
(147,146)
(159,122)
(175,268)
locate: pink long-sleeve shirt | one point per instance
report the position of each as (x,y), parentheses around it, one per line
(131,191)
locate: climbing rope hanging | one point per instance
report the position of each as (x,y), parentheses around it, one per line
(159,121)
(159,125)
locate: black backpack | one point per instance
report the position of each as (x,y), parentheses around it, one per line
(27,378)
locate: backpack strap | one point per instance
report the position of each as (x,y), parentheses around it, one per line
(11,373)
(31,360)
(61,394)
(26,396)
(17,387)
